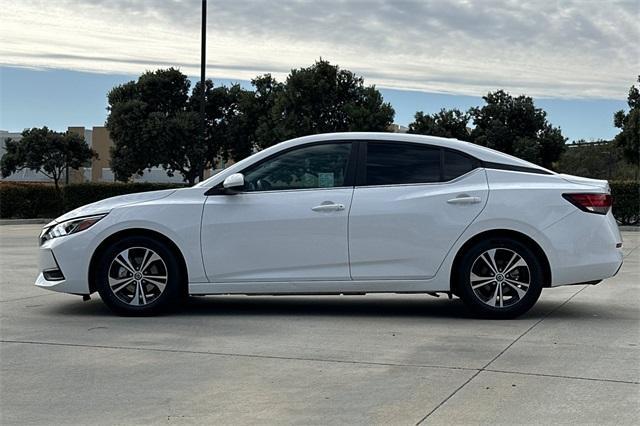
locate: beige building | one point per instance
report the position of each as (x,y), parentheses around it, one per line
(98,139)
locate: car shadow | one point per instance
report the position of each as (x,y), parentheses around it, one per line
(348,306)
(419,306)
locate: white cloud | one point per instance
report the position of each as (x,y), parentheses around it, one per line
(572,48)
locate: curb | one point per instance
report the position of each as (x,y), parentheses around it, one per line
(631,228)
(24,221)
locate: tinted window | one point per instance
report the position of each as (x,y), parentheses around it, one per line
(316,166)
(456,164)
(399,163)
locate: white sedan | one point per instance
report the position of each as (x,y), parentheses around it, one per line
(343,213)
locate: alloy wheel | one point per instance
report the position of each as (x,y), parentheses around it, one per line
(500,277)
(138,276)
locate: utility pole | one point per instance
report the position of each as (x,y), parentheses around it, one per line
(203,59)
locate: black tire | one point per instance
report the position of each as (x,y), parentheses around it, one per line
(159,298)
(483,301)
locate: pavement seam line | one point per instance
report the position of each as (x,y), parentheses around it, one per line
(560,376)
(629,253)
(337,361)
(381,364)
(448,398)
(551,312)
(26,298)
(484,368)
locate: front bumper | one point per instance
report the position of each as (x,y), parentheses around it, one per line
(64,263)
(49,266)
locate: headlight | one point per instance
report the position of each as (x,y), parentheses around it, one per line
(69,227)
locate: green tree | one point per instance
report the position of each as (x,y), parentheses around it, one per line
(155,121)
(629,137)
(183,150)
(45,151)
(261,113)
(145,117)
(319,99)
(598,159)
(515,126)
(446,123)
(228,125)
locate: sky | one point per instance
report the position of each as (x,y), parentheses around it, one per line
(576,58)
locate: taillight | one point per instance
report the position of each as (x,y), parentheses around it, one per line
(592,203)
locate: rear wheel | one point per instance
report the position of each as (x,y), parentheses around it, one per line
(499,278)
(138,276)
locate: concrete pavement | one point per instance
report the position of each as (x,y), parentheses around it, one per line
(383,359)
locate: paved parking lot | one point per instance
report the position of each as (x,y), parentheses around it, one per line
(575,358)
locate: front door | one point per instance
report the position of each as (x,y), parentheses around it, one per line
(288,224)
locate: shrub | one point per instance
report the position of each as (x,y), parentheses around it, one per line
(626,201)
(29,200)
(38,200)
(597,160)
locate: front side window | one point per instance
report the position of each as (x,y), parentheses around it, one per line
(315,166)
(395,163)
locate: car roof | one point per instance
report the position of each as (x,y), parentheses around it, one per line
(481,153)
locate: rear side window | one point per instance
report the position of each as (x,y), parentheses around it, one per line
(456,164)
(400,163)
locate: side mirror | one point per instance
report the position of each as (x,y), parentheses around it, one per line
(234,182)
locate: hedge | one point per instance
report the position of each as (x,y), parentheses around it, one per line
(33,200)
(29,200)
(626,201)
(37,200)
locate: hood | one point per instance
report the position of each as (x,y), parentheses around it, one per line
(106,205)
(602,184)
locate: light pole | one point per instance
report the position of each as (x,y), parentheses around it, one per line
(203,58)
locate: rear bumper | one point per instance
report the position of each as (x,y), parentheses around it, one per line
(583,247)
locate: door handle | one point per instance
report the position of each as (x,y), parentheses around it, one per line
(464,199)
(328,206)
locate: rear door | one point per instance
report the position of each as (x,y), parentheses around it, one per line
(411,203)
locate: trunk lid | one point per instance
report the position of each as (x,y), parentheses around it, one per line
(598,183)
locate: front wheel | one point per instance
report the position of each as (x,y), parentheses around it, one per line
(138,276)
(499,278)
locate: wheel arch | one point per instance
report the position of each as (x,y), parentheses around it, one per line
(502,233)
(137,232)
